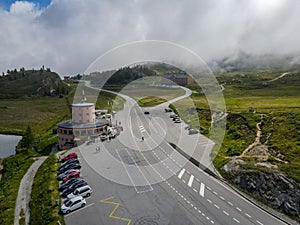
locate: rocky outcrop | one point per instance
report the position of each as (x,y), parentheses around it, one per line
(274,189)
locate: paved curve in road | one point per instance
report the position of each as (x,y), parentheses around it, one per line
(147,182)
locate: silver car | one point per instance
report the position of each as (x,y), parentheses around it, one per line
(73,204)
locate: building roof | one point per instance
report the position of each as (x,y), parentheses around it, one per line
(175,75)
(70,125)
(82,104)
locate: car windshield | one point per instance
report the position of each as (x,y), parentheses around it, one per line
(68,203)
(76,192)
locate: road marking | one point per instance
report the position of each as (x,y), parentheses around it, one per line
(229,203)
(259,222)
(248,215)
(215,193)
(238,209)
(80,209)
(218,207)
(191,181)
(129,170)
(202,188)
(208,188)
(226,213)
(111,215)
(236,220)
(209,201)
(221,197)
(181,173)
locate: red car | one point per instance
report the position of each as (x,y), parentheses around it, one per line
(176,118)
(69,156)
(71,175)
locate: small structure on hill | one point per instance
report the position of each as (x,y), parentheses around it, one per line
(180,78)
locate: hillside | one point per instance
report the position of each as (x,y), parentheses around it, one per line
(26,83)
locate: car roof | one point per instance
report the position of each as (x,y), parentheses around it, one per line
(83,187)
(79,197)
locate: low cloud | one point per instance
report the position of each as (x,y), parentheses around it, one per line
(69,34)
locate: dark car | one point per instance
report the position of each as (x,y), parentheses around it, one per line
(69,183)
(66,191)
(168,110)
(69,156)
(70,166)
(147,112)
(75,160)
(76,184)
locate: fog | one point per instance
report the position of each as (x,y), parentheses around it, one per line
(69,35)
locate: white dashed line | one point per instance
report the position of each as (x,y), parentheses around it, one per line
(238,209)
(236,220)
(226,213)
(208,188)
(248,215)
(259,222)
(229,203)
(215,193)
(209,201)
(218,207)
(221,197)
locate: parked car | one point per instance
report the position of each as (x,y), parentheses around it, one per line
(73,204)
(71,175)
(178,121)
(69,156)
(78,184)
(168,110)
(103,137)
(68,190)
(176,118)
(147,112)
(66,173)
(84,191)
(193,131)
(68,183)
(74,160)
(172,115)
(70,166)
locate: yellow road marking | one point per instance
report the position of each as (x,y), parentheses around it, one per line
(111,215)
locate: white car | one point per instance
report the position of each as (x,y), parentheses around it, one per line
(73,204)
(84,191)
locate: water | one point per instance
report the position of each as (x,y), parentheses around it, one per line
(8,145)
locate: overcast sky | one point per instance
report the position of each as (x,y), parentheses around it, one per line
(68,35)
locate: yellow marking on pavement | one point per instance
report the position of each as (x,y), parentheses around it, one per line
(111,215)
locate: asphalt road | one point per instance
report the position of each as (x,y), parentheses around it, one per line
(148,182)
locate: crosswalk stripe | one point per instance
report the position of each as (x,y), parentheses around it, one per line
(202,188)
(181,173)
(191,181)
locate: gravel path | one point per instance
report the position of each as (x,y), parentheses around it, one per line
(24,192)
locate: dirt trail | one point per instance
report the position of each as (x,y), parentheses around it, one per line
(22,203)
(257,139)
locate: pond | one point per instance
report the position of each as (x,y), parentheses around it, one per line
(8,145)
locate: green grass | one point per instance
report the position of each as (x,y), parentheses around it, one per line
(150,101)
(14,168)
(43,209)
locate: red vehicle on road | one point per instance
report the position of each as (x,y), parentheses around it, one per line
(71,175)
(69,156)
